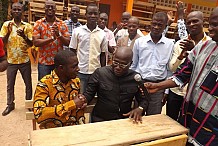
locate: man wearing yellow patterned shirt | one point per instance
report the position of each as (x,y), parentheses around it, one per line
(56,100)
(17,37)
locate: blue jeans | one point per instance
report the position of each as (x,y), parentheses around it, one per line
(44,70)
(84,78)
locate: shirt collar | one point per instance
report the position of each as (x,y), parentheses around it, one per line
(55,78)
(22,22)
(86,28)
(56,81)
(162,39)
(56,19)
(76,24)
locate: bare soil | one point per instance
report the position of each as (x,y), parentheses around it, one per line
(14,128)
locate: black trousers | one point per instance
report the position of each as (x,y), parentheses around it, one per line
(25,70)
(173,106)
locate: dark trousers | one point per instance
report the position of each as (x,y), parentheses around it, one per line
(44,70)
(25,70)
(84,78)
(173,106)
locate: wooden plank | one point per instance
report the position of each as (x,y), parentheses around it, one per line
(142,11)
(115,132)
(179,140)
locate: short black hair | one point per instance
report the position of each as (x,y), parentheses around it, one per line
(61,58)
(17,3)
(161,15)
(91,5)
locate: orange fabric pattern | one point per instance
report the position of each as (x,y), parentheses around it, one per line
(43,29)
(54,105)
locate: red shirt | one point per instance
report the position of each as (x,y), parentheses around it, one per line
(2,52)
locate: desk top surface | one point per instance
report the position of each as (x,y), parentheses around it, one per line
(109,133)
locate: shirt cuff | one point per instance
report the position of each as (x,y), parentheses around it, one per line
(177,81)
(70,105)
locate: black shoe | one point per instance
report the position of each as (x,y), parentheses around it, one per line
(7,110)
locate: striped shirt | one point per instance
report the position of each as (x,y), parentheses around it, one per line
(200,107)
(89,46)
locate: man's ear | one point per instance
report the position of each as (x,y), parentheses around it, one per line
(60,67)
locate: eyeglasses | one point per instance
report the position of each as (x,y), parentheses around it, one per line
(121,65)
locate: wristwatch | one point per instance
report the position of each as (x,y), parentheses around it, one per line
(52,37)
(141,108)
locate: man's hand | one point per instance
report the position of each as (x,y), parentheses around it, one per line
(135,114)
(164,100)
(151,87)
(20,32)
(55,31)
(120,26)
(170,18)
(180,10)
(79,101)
(10,27)
(187,44)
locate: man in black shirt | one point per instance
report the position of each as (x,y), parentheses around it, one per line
(116,88)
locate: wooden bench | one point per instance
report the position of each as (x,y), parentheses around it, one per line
(30,115)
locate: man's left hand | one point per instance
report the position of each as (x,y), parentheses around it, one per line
(135,114)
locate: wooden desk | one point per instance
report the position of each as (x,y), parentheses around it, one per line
(117,132)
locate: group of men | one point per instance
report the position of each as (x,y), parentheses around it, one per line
(70,79)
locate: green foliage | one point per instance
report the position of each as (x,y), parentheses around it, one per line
(3,11)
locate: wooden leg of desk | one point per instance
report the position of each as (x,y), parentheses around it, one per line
(29,141)
(34,124)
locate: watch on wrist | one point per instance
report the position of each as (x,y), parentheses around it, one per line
(52,37)
(141,108)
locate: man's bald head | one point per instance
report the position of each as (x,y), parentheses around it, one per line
(124,53)
(125,17)
(194,23)
(197,14)
(134,19)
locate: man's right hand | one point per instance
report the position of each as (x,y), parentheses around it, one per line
(151,87)
(79,101)
(120,26)
(180,10)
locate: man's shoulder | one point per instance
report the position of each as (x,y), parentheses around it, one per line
(143,39)
(167,40)
(104,69)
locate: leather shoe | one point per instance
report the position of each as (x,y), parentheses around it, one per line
(7,110)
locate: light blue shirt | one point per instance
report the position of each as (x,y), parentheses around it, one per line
(150,59)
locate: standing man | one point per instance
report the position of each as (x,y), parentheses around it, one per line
(121,29)
(200,108)
(151,55)
(116,88)
(50,34)
(17,36)
(132,26)
(102,22)
(90,43)
(194,24)
(73,22)
(57,101)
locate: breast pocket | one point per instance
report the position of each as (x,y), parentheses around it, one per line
(105,86)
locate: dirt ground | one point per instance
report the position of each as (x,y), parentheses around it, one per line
(14,128)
